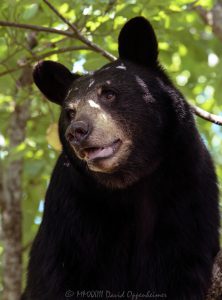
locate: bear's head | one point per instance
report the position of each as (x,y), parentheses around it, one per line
(115,123)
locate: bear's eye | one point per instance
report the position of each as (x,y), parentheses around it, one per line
(109,95)
(71,113)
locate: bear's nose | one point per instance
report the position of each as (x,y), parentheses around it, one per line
(78,132)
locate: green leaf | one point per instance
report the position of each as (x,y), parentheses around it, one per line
(30,11)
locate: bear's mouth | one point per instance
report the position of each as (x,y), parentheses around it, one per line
(94,153)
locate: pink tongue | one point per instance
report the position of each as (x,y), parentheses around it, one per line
(100,152)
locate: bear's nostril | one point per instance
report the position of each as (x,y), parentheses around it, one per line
(69,136)
(78,131)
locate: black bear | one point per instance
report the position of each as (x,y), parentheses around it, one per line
(131,210)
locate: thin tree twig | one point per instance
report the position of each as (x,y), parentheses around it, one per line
(61,50)
(206,115)
(27,246)
(10,56)
(36,28)
(110,6)
(79,35)
(9,71)
(42,56)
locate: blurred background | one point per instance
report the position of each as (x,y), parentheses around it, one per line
(83,36)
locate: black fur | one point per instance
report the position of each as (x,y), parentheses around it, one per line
(53,79)
(156,235)
(142,46)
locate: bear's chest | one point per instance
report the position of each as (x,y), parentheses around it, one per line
(108,249)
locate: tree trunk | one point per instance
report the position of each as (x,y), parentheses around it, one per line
(215,292)
(11,197)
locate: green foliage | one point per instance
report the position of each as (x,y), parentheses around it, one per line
(189,51)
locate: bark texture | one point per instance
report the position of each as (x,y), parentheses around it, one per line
(212,17)
(215,292)
(11,196)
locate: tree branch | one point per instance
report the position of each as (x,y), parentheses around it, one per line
(79,36)
(110,6)
(9,71)
(35,28)
(61,50)
(213,17)
(27,246)
(75,34)
(206,115)
(42,56)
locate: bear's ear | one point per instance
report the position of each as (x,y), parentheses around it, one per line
(53,80)
(138,43)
